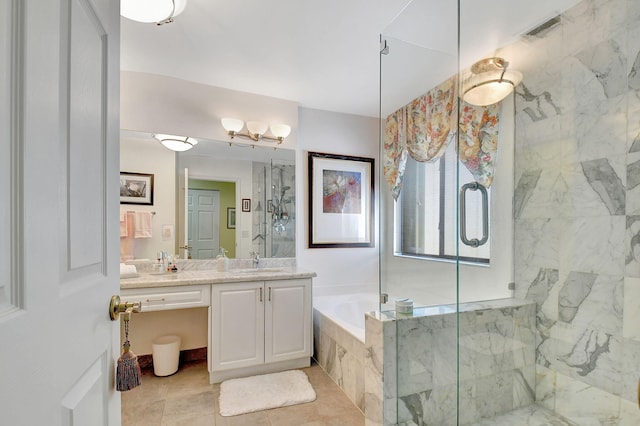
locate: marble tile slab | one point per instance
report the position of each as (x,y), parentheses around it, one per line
(532,415)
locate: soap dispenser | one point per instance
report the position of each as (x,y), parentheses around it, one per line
(222,261)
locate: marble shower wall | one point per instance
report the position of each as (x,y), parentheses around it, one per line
(411,368)
(577,208)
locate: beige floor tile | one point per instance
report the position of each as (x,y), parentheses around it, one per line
(201,403)
(143,415)
(293,415)
(189,420)
(187,398)
(259,418)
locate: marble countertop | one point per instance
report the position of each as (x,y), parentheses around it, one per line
(195,277)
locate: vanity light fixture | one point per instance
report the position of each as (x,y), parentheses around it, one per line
(148,11)
(490,82)
(255,130)
(176,143)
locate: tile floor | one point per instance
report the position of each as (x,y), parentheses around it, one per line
(187,398)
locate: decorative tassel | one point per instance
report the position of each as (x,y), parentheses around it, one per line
(128,372)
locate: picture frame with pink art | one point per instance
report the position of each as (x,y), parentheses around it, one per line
(340,200)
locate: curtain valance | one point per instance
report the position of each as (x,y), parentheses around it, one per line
(425,127)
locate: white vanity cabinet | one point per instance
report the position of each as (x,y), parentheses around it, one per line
(258,327)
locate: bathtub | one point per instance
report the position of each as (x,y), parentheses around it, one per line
(347,310)
(338,337)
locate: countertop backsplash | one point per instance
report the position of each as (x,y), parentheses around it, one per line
(145,265)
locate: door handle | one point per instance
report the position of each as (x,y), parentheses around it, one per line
(260,290)
(474,242)
(117,307)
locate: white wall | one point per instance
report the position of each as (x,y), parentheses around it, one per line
(148,156)
(343,134)
(159,104)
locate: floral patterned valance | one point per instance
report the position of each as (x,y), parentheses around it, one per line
(426,126)
(479,141)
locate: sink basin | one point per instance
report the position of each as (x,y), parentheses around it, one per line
(256,270)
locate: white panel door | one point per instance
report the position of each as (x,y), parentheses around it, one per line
(237,325)
(204,217)
(287,320)
(59,96)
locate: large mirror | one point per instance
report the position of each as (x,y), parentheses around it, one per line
(218,194)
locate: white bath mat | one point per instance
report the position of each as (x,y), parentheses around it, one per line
(255,393)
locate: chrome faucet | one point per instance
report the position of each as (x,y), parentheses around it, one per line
(256,258)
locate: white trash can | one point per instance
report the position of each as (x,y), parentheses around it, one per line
(166,355)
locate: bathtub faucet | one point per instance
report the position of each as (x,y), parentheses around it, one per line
(256,258)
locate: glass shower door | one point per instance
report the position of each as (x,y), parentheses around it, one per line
(418,253)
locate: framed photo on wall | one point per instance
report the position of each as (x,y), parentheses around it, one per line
(231,218)
(246,204)
(136,188)
(340,200)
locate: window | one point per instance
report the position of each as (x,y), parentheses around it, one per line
(426,212)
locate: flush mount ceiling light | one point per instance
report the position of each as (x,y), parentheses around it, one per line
(490,82)
(176,143)
(255,130)
(148,11)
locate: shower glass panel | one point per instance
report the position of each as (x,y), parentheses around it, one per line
(496,333)
(273,211)
(418,206)
(281,209)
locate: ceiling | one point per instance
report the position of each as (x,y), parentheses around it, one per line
(323,54)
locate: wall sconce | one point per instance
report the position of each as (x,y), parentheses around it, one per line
(490,82)
(148,11)
(255,130)
(176,143)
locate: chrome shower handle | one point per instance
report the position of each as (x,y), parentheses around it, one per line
(474,242)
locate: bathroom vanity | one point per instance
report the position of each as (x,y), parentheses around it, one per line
(259,319)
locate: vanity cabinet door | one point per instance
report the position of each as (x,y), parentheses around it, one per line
(237,324)
(287,319)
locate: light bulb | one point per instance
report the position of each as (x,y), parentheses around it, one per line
(257,127)
(148,11)
(176,143)
(280,130)
(232,124)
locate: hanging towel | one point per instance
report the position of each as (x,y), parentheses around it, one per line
(124,232)
(142,225)
(127,243)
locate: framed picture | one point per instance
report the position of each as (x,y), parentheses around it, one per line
(340,201)
(136,188)
(231,218)
(246,204)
